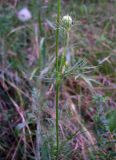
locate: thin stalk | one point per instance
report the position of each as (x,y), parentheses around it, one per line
(63,57)
(57,75)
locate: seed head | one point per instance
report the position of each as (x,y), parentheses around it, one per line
(67,22)
(24,14)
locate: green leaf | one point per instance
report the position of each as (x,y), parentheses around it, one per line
(111,116)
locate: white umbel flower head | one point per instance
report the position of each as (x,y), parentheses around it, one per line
(24,14)
(67,21)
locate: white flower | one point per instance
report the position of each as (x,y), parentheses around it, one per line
(67,21)
(24,14)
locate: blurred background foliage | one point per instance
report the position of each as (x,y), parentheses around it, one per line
(87,104)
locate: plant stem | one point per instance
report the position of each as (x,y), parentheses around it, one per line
(57,75)
(63,57)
